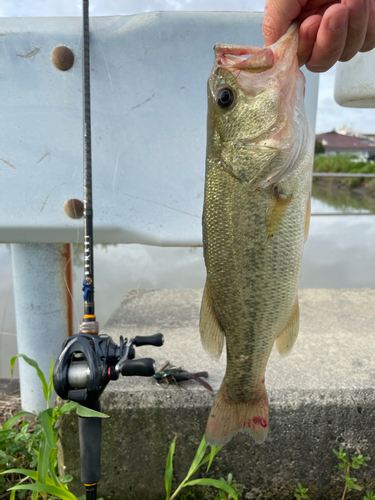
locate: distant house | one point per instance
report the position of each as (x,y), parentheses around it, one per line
(338,144)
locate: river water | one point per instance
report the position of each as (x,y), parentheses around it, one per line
(339,253)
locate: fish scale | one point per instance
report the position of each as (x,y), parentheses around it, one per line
(254,224)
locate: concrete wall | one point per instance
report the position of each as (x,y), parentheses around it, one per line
(320,396)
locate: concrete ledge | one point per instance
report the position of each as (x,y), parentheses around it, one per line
(320,396)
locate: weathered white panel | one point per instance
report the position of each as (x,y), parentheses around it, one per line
(148,94)
(355,83)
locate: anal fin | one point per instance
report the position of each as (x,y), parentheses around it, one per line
(212,334)
(288,336)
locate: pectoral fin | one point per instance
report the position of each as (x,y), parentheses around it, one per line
(288,336)
(212,334)
(275,213)
(308,215)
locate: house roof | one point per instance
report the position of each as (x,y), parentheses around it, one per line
(332,141)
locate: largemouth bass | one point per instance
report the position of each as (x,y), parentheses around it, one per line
(255,222)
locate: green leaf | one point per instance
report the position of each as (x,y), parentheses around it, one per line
(50,385)
(33,474)
(35,365)
(214,451)
(59,492)
(66,479)
(43,463)
(169,469)
(13,420)
(216,484)
(198,457)
(52,466)
(46,418)
(82,411)
(68,407)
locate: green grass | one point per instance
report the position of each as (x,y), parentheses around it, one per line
(342,193)
(343,164)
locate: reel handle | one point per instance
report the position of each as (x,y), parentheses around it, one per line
(144,367)
(156,340)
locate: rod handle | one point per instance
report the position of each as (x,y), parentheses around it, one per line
(90,430)
(144,367)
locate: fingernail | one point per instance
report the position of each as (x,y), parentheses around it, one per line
(338,21)
(355,5)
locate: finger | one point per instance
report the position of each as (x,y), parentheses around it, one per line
(307,37)
(369,42)
(279,15)
(330,40)
(357,28)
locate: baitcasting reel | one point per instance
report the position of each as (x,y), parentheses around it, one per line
(88,362)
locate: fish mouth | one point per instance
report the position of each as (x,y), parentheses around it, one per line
(245,59)
(229,57)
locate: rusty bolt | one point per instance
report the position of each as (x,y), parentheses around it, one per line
(62,58)
(74,208)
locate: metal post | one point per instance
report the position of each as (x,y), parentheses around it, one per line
(43,312)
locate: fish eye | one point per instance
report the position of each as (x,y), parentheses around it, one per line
(224,97)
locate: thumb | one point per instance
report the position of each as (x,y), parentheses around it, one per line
(279,15)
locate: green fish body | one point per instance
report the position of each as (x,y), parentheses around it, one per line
(255,222)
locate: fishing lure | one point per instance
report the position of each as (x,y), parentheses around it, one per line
(170,373)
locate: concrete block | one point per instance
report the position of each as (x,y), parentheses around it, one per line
(321,396)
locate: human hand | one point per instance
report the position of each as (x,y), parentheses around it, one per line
(330,31)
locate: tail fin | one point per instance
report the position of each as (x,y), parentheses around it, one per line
(227,418)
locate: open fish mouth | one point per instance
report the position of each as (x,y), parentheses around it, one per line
(245,62)
(257,59)
(229,57)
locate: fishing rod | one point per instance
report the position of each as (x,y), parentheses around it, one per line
(89,361)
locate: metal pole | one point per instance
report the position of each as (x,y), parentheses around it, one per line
(43,312)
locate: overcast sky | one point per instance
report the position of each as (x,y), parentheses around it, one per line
(330,115)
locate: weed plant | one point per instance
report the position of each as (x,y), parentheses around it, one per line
(346,463)
(226,489)
(345,164)
(28,457)
(28,460)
